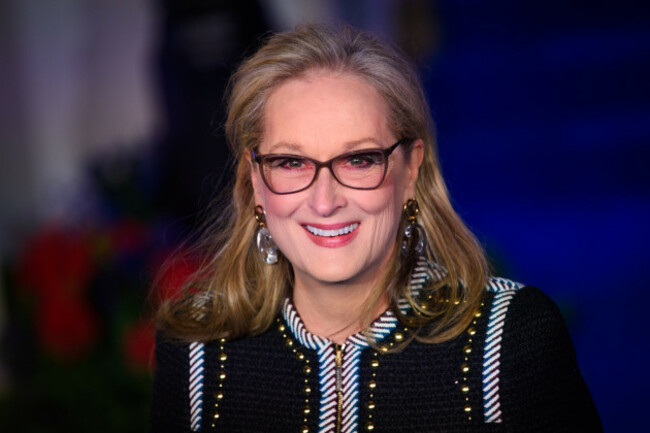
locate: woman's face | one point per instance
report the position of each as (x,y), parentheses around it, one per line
(322,116)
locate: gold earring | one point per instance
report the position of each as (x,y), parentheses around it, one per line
(414,240)
(265,245)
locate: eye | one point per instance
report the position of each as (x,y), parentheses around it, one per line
(363,159)
(285,162)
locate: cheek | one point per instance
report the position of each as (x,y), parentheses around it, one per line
(278,208)
(392,195)
(385,206)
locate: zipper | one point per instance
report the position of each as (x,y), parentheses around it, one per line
(339,386)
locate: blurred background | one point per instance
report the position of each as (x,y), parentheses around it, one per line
(111,144)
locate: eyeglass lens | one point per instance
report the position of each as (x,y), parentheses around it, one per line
(292,173)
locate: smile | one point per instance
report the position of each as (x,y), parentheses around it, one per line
(332,233)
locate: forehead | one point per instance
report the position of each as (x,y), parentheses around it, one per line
(323,114)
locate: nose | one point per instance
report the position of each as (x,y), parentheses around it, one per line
(326,195)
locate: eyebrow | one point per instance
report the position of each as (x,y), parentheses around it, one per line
(350,145)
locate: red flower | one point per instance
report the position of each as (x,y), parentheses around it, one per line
(66,327)
(55,263)
(139,343)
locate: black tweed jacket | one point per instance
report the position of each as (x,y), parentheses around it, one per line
(513,370)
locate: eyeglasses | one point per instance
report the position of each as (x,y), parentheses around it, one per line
(360,169)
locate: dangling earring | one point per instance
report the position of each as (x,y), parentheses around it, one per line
(265,244)
(415,239)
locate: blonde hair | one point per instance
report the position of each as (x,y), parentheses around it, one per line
(235,293)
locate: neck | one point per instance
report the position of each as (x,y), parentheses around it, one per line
(334,310)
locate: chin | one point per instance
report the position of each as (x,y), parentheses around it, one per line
(337,273)
(334,276)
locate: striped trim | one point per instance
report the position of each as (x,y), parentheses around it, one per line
(200,304)
(327,382)
(197,361)
(425,272)
(352,349)
(379,330)
(351,369)
(505,290)
(299,331)
(496,285)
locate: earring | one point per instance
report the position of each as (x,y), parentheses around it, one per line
(265,244)
(415,239)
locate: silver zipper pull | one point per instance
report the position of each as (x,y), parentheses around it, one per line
(339,363)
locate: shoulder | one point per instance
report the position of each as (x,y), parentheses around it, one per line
(170,349)
(523,306)
(528,329)
(538,383)
(178,379)
(531,322)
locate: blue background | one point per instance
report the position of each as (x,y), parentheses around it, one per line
(543,117)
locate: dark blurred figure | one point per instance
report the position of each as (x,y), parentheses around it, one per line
(200,43)
(418,29)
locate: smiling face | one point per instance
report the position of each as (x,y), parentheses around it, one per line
(331,233)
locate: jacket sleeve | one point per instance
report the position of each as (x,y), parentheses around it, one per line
(170,408)
(542,389)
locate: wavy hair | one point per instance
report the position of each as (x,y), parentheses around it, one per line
(234,293)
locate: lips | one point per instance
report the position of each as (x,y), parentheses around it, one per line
(332,235)
(328,233)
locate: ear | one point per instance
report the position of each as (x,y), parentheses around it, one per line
(413,163)
(256,181)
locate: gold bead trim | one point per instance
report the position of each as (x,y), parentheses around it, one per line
(372,385)
(398,337)
(464,368)
(218,396)
(306,370)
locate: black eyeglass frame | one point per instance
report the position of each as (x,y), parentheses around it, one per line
(387,151)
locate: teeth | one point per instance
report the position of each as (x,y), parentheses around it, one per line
(330,233)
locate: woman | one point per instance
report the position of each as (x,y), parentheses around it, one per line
(342,292)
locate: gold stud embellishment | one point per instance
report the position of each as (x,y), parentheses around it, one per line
(218,396)
(306,369)
(464,368)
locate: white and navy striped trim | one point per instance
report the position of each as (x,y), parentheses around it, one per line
(425,272)
(496,285)
(352,349)
(504,291)
(197,368)
(299,331)
(351,373)
(327,382)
